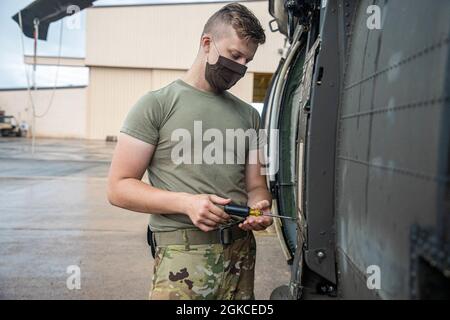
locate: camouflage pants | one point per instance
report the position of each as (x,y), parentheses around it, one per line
(205,272)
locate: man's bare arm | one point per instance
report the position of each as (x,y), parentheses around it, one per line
(258,195)
(126,190)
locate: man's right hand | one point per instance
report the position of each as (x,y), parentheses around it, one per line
(204,213)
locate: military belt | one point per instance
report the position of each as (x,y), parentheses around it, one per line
(188,237)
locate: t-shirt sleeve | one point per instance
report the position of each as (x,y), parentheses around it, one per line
(144,119)
(257,140)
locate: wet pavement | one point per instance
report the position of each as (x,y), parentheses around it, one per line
(54,214)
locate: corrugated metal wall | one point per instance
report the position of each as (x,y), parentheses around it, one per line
(112,91)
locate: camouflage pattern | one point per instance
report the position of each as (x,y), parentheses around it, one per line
(205,272)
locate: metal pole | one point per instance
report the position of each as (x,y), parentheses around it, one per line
(36,35)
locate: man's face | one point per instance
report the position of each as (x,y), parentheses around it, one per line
(230,46)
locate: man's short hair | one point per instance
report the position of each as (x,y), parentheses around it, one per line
(243,21)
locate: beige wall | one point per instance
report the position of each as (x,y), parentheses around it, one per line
(66,117)
(164,36)
(113,91)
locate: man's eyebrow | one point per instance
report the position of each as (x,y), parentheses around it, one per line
(233,49)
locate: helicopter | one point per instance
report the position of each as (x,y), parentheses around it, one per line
(361,102)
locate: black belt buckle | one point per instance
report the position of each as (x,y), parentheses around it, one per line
(225,236)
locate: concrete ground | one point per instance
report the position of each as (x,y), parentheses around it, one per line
(54,214)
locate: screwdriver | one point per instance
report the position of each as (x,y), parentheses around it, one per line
(244,212)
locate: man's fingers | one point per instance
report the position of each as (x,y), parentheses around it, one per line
(218,212)
(215,218)
(257,226)
(208,222)
(205,228)
(261,204)
(245,227)
(219,200)
(256,223)
(264,221)
(253,225)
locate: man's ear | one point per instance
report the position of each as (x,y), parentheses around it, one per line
(205,43)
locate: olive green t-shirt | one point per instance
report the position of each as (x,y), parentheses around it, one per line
(188,156)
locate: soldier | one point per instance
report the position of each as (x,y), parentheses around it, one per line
(201,252)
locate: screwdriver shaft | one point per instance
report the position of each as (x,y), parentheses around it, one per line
(277,216)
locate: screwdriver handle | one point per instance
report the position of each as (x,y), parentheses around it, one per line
(237,210)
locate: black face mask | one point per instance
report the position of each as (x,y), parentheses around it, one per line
(224,73)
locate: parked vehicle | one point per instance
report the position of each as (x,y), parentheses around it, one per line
(9,126)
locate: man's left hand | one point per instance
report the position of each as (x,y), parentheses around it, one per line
(258,223)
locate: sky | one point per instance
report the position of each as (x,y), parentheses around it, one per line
(12,69)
